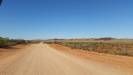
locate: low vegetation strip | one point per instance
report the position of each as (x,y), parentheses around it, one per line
(6,42)
(118,48)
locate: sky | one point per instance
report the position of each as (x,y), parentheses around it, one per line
(43,19)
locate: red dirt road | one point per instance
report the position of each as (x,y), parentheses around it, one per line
(42,59)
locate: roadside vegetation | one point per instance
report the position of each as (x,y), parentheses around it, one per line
(6,42)
(117,47)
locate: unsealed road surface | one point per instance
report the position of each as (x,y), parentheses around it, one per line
(41,59)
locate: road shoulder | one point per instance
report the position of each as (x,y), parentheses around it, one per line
(124,62)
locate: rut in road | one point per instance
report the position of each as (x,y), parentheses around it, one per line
(40,59)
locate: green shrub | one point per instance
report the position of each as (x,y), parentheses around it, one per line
(5,42)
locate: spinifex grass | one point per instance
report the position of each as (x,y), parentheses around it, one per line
(119,48)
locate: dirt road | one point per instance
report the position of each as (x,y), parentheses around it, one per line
(41,59)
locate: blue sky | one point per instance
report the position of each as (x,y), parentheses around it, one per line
(38,19)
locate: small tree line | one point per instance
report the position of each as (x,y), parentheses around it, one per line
(6,42)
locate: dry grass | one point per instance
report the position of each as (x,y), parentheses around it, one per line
(118,48)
